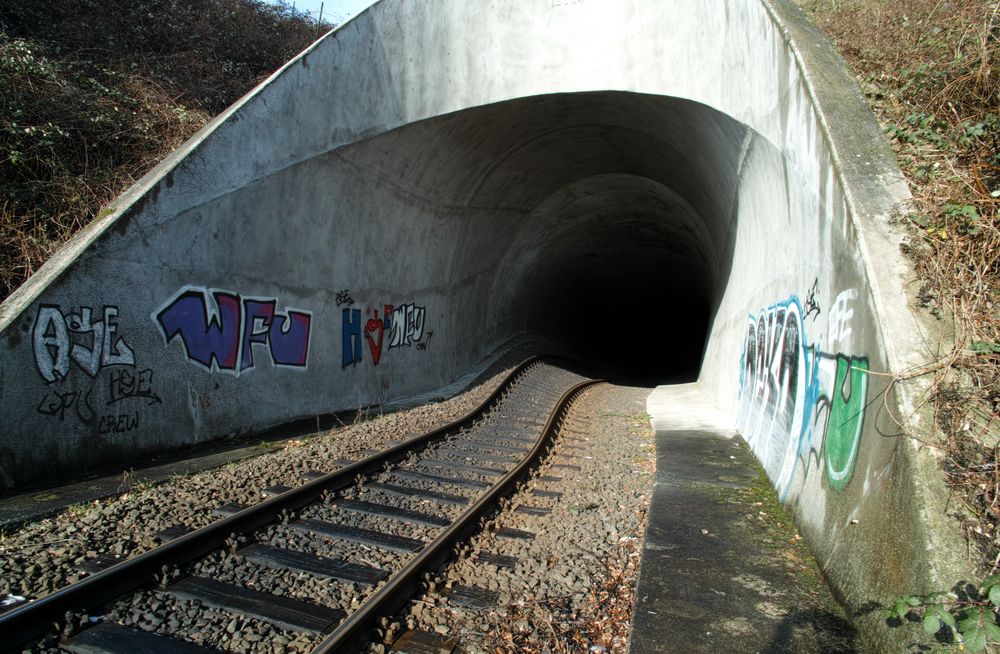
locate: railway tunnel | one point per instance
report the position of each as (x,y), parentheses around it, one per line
(561,211)
(685,191)
(364,228)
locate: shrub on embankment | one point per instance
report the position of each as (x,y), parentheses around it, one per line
(96,92)
(931,71)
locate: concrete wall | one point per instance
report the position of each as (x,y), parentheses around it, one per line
(614,176)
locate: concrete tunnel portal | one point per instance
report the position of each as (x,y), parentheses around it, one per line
(612,213)
(675,189)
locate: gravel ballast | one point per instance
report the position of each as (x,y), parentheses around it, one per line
(158,611)
(42,556)
(554,568)
(571,587)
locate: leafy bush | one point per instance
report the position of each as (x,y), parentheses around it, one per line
(966,616)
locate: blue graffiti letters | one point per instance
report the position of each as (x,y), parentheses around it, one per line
(206,338)
(351,335)
(221,331)
(396,327)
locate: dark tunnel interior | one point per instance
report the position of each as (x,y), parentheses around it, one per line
(605,221)
(601,311)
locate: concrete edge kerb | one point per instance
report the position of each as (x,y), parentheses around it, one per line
(857,207)
(872,201)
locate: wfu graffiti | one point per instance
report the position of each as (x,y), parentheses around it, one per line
(93,344)
(397,326)
(796,398)
(222,331)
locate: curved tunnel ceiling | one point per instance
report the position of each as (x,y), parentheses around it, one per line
(577,206)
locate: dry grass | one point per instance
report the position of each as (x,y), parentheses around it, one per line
(70,147)
(601,626)
(96,92)
(931,71)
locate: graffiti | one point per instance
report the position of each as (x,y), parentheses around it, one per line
(846,409)
(78,404)
(423,346)
(89,340)
(123,385)
(344,297)
(841,316)
(396,327)
(56,404)
(373,325)
(219,330)
(812,306)
(351,335)
(118,424)
(796,398)
(92,344)
(407,325)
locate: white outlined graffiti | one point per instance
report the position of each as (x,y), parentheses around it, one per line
(60,338)
(397,326)
(89,339)
(796,398)
(407,325)
(219,329)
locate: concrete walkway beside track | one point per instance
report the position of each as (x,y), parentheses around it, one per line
(723,567)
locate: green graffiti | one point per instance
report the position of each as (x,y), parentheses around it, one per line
(847,412)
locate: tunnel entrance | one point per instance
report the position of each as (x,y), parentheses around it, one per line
(601,311)
(601,224)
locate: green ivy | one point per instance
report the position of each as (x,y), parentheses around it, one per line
(966,619)
(984,347)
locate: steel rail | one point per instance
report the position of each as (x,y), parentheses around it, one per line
(37,618)
(349,637)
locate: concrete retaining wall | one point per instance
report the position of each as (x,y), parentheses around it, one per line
(436,179)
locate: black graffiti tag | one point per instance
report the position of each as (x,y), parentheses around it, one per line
(423,346)
(57,404)
(118,424)
(124,385)
(344,297)
(812,305)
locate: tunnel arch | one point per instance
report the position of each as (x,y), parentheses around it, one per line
(634,190)
(360,186)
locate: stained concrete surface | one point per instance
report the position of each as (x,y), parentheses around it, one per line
(47,500)
(723,568)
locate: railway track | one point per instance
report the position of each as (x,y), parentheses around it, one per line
(362,537)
